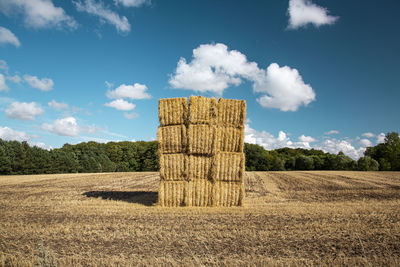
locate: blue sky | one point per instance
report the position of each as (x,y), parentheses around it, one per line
(321,73)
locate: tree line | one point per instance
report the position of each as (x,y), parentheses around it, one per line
(21,158)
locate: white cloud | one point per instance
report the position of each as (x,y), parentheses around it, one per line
(105,14)
(285,89)
(365,143)
(380,138)
(131,115)
(131,3)
(120,104)
(7,37)
(136,91)
(3,85)
(108,84)
(368,135)
(335,146)
(67,126)
(9,134)
(39,13)
(44,84)
(307,139)
(58,105)
(303,12)
(332,132)
(24,111)
(265,139)
(3,65)
(14,79)
(214,68)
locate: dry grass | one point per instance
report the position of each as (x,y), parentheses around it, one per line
(289,218)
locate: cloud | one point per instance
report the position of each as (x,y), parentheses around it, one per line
(3,85)
(38,14)
(265,139)
(380,138)
(58,105)
(136,91)
(365,143)
(215,68)
(14,79)
(9,134)
(120,104)
(7,37)
(131,3)
(67,126)
(131,115)
(368,135)
(24,111)
(108,84)
(307,139)
(285,89)
(335,146)
(3,65)
(332,132)
(106,15)
(44,84)
(303,12)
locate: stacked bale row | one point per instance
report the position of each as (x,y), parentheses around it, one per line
(201,146)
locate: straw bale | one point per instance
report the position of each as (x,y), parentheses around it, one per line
(173,167)
(199,167)
(172,193)
(200,193)
(231,112)
(228,166)
(202,110)
(201,139)
(172,139)
(173,111)
(228,194)
(230,139)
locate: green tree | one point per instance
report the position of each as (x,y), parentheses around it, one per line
(367,164)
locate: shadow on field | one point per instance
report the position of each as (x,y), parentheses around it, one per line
(145,198)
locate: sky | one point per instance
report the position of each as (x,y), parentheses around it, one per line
(317,74)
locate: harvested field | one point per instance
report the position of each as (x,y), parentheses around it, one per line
(289,218)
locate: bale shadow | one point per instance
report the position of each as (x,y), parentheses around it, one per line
(146,198)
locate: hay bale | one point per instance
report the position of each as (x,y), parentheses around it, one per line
(200,193)
(231,112)
(201,139)
(228,194)
(202,110)
(199,167)
(228,166)
(173,167)
(172,193)
(172,139)
(173,111)
(230,139)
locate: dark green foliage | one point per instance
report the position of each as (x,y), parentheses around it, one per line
(387,154)
(20,158)
(367,164)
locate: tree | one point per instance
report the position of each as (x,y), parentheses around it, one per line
(304,163)
(367,164)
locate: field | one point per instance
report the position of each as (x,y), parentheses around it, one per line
(289,218)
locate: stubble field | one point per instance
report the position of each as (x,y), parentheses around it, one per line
(289,218)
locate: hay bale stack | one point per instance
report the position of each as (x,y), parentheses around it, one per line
(201,139)
(231,112)
(200,193)
(173,111)
(173,167)
(172,193)
(228,167)
(172,139)
(201,149)
(202,110)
